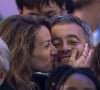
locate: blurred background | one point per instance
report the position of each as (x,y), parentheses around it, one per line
(7,8)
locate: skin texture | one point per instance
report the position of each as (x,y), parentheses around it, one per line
(78,82)
(67,38)
(44,53)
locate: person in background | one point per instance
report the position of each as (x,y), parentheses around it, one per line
(68,78)
(66,6)
(61,4)
(88,10)
(29,41)
(95,61)
(46,8)
(73,39)
(4,61)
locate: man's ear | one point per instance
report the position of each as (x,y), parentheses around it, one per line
(2,77)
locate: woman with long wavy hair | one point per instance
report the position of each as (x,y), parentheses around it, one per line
(29,40)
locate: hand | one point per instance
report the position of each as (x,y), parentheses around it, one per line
(83,60)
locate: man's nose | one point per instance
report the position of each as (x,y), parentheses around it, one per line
(65,47)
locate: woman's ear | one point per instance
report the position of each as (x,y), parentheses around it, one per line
(2,77)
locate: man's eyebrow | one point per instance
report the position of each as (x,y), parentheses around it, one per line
(73,36)
(69,36)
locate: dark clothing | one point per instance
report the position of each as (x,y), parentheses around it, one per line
(39,79)
(5,86)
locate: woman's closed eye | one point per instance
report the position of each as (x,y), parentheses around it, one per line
(47,44)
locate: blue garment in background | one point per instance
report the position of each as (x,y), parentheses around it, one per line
(96,36)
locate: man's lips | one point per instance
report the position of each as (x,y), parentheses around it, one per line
(65,56)
(64,59)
